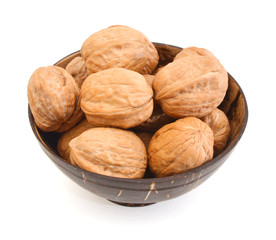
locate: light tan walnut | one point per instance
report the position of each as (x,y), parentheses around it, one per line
(149,78)
(145,137)
(219,123)
(53,97)
(73,120)
(110,151)
(63,142)
(78,70)
(119,46)
(116,97)
(190,87)
(193,52)
(180,146)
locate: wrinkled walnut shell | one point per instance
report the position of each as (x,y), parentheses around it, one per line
(149,78)
(78,70)
(53,97)
(219,123)
(180,146)
(63,142)
(116,97)
(119,46)
(110,151)
(190,87)
(193,52)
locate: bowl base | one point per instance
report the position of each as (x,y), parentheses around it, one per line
(131,204)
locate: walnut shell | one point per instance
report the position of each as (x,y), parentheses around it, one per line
(193,52)
(149,78)
(219,123)
(110,151)
(78,70)
(63,142)
(190,87)
(119,46)
(180,146)
(53,97)
(116,97)
(73,120)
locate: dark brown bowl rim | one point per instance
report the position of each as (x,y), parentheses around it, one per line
(60,161)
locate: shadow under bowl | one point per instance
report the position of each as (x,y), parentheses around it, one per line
(142,192)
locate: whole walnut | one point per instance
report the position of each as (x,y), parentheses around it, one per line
(193,52)
(119,46)
(190,87)
(177,147)
(110,151)
(78,70)
(219,123)
(53,97)
(63,142)
(116,97)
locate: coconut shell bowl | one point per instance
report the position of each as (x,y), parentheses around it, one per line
(148,190)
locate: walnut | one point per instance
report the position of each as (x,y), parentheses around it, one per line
(63,142)
(157,120)
(53,97)
(110,151)
(190,87)
(219,123)
(149,78)
(78,70)
(180,146)
(116,97)
(73,120)
(193,52)
(119,46)
(145,137)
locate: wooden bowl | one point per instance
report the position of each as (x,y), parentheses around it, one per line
(141,192)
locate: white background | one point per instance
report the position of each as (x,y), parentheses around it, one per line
(237,202)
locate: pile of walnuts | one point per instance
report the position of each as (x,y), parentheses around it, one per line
(119,113)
